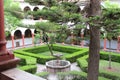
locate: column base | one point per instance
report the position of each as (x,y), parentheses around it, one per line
(8,64)
(8,56)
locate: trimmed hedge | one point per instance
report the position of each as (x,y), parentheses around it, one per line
(110,75)
(40,58)
(74,56)
(43,74)
(26,60)
(79,52)
(37,49)
(82,63)
(29,68)
(66,49)
(75,75)
(114,56)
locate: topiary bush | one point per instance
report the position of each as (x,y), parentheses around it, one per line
(26,60)
(75,75)
(29,68)
(43,74)
(114,56)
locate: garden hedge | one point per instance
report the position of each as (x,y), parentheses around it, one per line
(79,52)
(74,56)
(75,75)
(29,68)
(40,58)
(43,74)
(67,49)
(82,63)
(110,75)
(26,60)
(114,56)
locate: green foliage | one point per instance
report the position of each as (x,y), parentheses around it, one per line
(26,60)
(108,4)
(74,52)
(40,58)
(12,14)
(29,68)
(75,75)
(43,74)
(74,56)
(67,49)
(33,2)
(114,56)
(111,75)
(110,20)
(47,26)
(82,63)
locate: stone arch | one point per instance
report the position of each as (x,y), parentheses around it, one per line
(17,34)
(28,33)
(35,8)
(27,8)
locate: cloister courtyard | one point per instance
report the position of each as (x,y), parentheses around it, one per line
(59,40)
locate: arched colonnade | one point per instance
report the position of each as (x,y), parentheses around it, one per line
(19,34)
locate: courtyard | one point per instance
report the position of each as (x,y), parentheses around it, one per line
(60,40)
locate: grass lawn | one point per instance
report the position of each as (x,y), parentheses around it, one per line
(115,66)
(47,53)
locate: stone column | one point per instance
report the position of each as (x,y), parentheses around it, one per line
(32,38)
(23,40)
(7,59)
(118,44)
(12,41)
(2,35)
(105,42)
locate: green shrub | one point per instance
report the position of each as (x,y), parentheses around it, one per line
(43,58)
(114,56)
(110,75)
(43,74)
(74,56)
(26,60)
(67,49)
(29,68)
(40,58)
(36,50)
(83,64)
(75,75)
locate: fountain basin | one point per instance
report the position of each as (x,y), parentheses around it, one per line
(54,66)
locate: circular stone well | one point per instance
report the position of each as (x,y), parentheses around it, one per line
(54,66)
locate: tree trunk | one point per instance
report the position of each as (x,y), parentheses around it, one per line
(93,63)
(109,54)
(94,48)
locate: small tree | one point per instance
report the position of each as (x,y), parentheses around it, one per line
(48,27)
(13,14)
(111,22)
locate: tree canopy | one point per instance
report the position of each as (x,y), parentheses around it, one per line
(12,13)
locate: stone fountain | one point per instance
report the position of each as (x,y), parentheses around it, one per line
(58,65)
